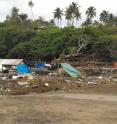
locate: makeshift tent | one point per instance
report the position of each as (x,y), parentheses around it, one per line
(9,63)
(39,66)
(23,68)
(70,70)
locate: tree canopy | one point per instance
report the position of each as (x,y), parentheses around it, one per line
(34,39)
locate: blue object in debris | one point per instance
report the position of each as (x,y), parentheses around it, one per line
(39,66)
(23,68)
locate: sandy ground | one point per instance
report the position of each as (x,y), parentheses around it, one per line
(59,108)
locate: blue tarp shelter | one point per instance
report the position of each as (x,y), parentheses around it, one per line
(23,68)
(39,66)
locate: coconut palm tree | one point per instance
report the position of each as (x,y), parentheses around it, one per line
(52,22)
(68,16)
(91,13)
(73,7)
(23,17)
(58,13)
(104,16)
(14,12)
(73,12)
(111,19)
(14,15)
(86,22)
(115,21)
(31,4)
(77,15)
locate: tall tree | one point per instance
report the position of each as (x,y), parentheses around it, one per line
(86,22)
(23,17)
(111,19)
(77,15)
(104,16)
(73,7)
(7,18)
(72,12)
(14,15)
(91,13)
(31,4)
(52,22)
(107,18)
(58,13)
(115,21)
(68,16)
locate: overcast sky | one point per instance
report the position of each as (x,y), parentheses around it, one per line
(45,8)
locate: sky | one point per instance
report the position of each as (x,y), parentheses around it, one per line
(45,8)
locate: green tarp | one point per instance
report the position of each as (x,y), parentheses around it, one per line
(70,70)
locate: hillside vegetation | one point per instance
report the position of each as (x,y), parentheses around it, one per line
(21,37)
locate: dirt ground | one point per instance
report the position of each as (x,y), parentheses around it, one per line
(59,108)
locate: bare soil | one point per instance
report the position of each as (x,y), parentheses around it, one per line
(59,108)
(66,103)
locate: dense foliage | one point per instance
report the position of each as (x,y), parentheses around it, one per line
(37,39)
(51,42)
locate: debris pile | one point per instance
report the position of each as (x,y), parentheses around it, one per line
(26,83)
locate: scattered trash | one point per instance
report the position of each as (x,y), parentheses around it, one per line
(27,83)
(23,83)
(4,78)
(16,77)
(100,77)
(46,84)
(48,65)
(91,82)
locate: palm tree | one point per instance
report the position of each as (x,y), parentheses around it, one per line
(7,18)
(14,12)
(111,19)
(58,15)
(104,16)
(15,15)
(73,12)
(52,22)
(73,7)
(31,4)
(91,13)
(96,23)
(115,21)
(68,15)
(77,15)
(86,22)
(23,17)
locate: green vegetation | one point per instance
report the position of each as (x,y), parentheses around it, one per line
(37,39)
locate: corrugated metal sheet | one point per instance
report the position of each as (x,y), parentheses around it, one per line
(10,61)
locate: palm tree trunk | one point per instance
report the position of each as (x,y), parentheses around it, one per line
(68,22)
(73,22)
(58,23)
(32,13)
(76,22)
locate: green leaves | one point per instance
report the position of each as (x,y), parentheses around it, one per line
(51,42)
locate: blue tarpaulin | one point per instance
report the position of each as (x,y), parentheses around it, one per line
(39,66)
(23,68)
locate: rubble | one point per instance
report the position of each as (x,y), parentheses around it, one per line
(23,83)
(90,77)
